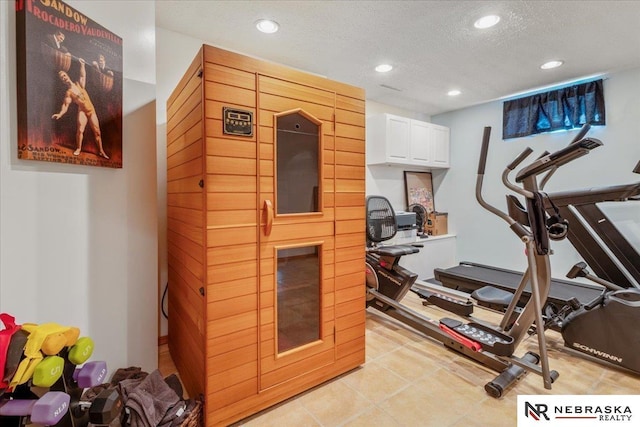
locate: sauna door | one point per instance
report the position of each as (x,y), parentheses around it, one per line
(296,252)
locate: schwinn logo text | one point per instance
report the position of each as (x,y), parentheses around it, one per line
(597,353)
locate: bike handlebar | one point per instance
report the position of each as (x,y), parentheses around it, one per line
(481,166)
(583,131)
(520,158)
(483,152)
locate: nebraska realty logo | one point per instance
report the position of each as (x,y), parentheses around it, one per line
(578,410)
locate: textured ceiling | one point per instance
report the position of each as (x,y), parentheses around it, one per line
(432,44)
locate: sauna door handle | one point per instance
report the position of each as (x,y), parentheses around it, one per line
(268,207)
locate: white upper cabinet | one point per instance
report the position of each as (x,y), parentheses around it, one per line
(396,130)
(439,144)
(420,152)
(406,142)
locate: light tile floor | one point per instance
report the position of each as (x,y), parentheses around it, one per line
(410,380)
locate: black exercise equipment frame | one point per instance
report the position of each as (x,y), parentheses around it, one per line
(383,263)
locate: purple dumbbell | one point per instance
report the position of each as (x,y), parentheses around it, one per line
(91,374)
(48,410)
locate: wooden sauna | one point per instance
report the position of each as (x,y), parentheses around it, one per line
(266,242)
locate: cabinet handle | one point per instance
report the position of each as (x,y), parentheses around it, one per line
(268,206)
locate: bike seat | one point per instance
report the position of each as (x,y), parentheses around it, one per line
(395,251)
(491,295)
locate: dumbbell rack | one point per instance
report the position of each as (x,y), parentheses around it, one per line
(62,399)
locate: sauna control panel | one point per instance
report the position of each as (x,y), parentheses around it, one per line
(237,122)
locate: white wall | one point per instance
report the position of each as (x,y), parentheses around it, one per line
(79,244)
(481,236)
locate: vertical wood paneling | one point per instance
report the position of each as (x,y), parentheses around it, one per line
(185,229)
(350,241)
(213,233)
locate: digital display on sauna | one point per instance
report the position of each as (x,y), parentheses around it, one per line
(237,122)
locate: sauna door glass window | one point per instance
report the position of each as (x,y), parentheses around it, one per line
(298,151)
(298,303)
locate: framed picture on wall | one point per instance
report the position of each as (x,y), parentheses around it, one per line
(419,189)
(69,86)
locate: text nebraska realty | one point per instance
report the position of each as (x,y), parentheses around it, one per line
(600,413)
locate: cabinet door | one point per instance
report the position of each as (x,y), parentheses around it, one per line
(420,150)
(296,244)
(397,138)
(440,146)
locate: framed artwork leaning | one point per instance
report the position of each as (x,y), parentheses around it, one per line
(69,75)
(419,189)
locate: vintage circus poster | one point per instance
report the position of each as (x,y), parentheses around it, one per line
(69,86)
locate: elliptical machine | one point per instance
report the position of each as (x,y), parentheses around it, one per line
(602,326)
(494,347)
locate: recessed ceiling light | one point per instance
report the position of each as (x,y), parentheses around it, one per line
(486,21)
(551,64)
(267,26)
(454,92)
(384,68)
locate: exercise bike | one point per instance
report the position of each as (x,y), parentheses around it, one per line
(492,346)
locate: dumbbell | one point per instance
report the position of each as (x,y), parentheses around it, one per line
(51,368)
(48,371)
(45,372)
(90,374)
(81,351)
(48,410)
(106,409)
